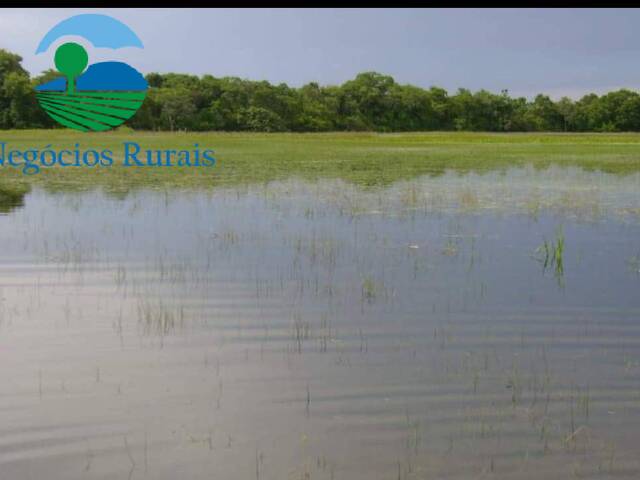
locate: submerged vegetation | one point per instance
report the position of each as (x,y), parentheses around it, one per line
(551,255)
(12,195)
(406,324)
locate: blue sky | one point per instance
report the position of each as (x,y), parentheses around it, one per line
(558,52)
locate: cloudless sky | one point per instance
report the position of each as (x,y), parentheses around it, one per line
(558,52)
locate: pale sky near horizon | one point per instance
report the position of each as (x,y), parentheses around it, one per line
(557,52)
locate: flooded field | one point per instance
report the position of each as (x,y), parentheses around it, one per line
(478,325)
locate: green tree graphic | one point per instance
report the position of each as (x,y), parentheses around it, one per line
(71,59)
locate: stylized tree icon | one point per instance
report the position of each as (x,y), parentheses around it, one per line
(71,59)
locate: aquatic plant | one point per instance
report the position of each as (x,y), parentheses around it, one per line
(12,195)
(551,254)
(369,289)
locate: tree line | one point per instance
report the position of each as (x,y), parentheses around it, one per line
(370,102)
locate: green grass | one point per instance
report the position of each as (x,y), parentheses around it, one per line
(12,195)
(365,159)
(551,254)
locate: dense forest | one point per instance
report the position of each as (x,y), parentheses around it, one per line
(371,101)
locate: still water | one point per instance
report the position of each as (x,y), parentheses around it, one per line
(301,330)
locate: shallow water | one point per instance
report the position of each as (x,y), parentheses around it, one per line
(319,330)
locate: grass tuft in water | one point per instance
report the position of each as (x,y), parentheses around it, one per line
(551,255)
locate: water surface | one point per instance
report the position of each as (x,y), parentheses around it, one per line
(321,330)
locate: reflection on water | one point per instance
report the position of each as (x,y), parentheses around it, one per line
(11,197)
(300,330)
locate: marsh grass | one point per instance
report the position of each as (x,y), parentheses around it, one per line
(155,317)
(491,391)
(369,289)
(300,331)
(365,159)
(468,199)
(634,264)
(12,193)
(450,249)
(551,255)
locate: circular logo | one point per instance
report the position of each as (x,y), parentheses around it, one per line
(91,97)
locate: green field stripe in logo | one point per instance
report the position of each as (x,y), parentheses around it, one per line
(66,122)
(114,122)
(114,112)
(131,104)
(115,95)
(80,120)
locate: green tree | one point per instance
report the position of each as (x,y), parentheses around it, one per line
(567,111)
(365,101)
(371,101)
(9,64)
(22,106)
(71,59)
(544,115)
(176,107)
(258,119)
(628,114)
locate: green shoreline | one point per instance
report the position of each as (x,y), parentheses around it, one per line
(365,159)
